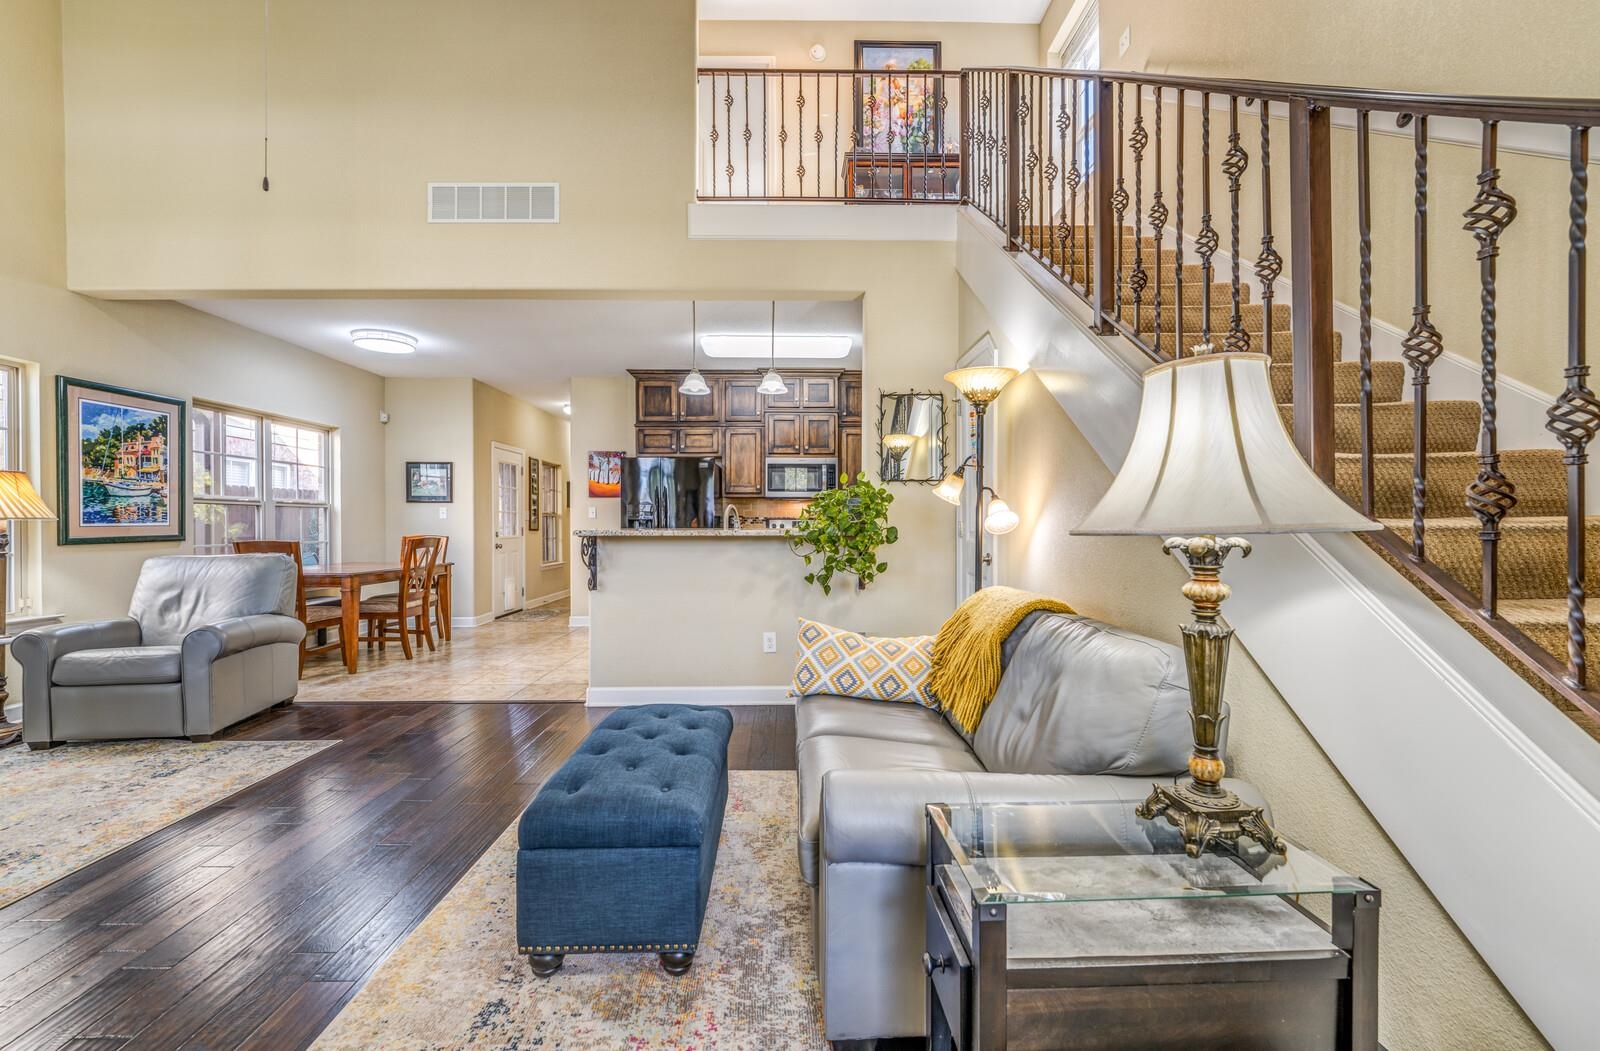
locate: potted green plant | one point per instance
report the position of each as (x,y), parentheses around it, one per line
(843,529)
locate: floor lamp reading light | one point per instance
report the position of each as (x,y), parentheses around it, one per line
(19,502)
(1210,460)
(980,385)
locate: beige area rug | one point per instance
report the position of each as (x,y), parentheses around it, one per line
(63,808)
(457,981)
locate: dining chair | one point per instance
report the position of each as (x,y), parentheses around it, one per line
(435,600)
(317,618)
(407,608)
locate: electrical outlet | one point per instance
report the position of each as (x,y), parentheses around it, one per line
(769,642)
(591,512)
(1124,41)
(444,512)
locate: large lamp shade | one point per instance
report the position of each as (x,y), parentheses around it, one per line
(19,499)
(1211,455)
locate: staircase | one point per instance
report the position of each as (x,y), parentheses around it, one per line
(1532,581)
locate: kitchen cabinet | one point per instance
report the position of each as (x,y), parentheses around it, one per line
(819,392)
(701,408)
(819,434)
(678,441)
(783,434)
(850,396)
(789,399)
(744,461)
(658,399)
(849,454)
(741,401)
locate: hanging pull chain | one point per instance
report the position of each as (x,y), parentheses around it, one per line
(266,115)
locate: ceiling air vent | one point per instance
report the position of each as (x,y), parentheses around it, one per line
(495,202)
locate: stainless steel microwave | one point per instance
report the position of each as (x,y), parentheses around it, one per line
(790,479)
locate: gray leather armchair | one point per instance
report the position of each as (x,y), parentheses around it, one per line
(1084,712)
(208,640)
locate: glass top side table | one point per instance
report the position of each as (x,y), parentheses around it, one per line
(1079,924)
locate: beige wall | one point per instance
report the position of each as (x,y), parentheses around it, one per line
(432,419)
(602,420)
(162,347)
(508,420)
(962,43)
(1436,992)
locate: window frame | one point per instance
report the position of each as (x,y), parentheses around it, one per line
(265,502)
(550,513)
(17,599)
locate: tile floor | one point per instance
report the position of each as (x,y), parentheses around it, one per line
(529,656)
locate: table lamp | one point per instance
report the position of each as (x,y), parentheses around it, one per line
(1210,460)
(19,501)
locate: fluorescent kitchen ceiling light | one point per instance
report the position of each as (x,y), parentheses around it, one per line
(383,341)
(759,345)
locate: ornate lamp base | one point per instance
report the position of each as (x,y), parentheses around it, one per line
(1204,817)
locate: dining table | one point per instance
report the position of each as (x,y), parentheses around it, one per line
(351,577)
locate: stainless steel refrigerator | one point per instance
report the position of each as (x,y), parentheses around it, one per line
(670,492)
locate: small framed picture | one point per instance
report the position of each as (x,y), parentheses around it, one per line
(429,482)
(535,479)
(123,463)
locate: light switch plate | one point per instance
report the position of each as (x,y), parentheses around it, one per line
(591,512)
(1124,41)
(444,512)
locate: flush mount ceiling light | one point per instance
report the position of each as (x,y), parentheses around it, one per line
(383,341)
(693,384)
(750,345)
(772,384)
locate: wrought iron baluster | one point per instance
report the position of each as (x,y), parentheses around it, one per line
(838,155)
(985,180)
(1158,222)
(747,134)
(1177,239)
(727,122)
(1051,117)
(1364,226)
(1206,240)
(800,135)
(1074,176)
(1063,122)
(1138,140)
(1119,199)
(1492,495)
(1029,161)
(817,136)
(1234,164)
(1269,264)
(783,136)
(944,156)
(1575,416)
(1422,344)
(713,136)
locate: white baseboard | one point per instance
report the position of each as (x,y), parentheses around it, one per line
(617,696)
(577,622)
(545,600)
(471,622)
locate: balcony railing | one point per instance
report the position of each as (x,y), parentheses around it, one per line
(844,135)
(1188,211)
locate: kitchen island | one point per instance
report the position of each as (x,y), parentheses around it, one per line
(708,616)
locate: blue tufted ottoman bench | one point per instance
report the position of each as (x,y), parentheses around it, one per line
(616,851)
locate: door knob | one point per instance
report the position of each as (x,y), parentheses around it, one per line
(931,964)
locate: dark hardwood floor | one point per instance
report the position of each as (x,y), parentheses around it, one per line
(250,923)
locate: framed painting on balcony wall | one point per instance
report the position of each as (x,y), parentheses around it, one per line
(898,100)
(122,464)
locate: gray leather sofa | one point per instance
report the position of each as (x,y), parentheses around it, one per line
(208,640)
(1084,711)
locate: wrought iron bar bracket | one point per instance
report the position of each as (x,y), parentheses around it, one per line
(589,554)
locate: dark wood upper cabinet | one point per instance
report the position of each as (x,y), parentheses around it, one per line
(656,441)
(784,434)
(819,434)
(789,399)
(700,441)
(744,461)
(701,408)
(741,402)
(658,400)
(850,395)
(819,392)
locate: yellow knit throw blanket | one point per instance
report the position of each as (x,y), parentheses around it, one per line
(966,653)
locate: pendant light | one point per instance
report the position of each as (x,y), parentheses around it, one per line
(772,384)
(694,383)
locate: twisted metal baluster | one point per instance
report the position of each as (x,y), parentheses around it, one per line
(715,136)
(1030,161)
(1575,417)
(1177,240)
(1269,264)
(1422,344)
(1234,163)
(1364,226)
(1158,223)
(1137,142)
(783,136)
(727,122)
(1051,169)
(1119,198)
(1206,240)
(1492,495)
(1064,218)
(1074,177)
(747,134)
(985,180)
(800,136)
(816,134)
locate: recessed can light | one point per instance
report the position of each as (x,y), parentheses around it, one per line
(383,341)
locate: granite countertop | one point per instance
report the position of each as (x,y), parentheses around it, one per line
(684,534)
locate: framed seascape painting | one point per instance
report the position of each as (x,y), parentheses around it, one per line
(121,464)
(430,482)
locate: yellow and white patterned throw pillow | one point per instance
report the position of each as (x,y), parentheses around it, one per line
(867,667)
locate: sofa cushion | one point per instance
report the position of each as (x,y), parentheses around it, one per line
(821,754)
(847,717)
(833,660)
(1082,697)
(119,666)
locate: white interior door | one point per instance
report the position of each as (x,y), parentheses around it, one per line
(510,530)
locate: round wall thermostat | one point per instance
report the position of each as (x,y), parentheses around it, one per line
(818,52)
